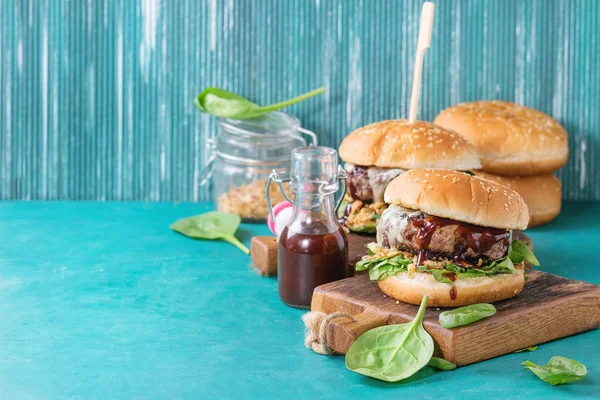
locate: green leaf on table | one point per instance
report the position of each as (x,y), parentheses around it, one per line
(211,225)
(466,315)
(221,103)
(442,364)
(393,352)
(559,370)
(531,348)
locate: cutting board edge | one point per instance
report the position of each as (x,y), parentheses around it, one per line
(570,325)
(329,299)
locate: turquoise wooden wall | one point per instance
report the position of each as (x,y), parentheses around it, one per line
(96,96)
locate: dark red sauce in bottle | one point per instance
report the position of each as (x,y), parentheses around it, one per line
(313,249)
(309,259)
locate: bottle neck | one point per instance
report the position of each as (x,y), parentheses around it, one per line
(314,209)
(317,203)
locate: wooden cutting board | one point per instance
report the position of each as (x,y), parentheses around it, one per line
(550,307)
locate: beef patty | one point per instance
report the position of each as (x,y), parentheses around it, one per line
(415,231)
(369,183)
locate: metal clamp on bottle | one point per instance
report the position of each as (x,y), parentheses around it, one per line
(283,177)
(277,178)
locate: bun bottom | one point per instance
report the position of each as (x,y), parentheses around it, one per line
(542,194)
(467,291)
(539,217)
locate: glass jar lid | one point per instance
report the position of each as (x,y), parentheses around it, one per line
(263,140)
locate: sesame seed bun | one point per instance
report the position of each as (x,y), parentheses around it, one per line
(401,144)
(459,196)
(510,139)
(467,290)
(542,194)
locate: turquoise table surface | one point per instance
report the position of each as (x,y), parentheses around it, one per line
(102,300)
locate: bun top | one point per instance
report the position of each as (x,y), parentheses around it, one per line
(459,196)
(401,144)
(510,139)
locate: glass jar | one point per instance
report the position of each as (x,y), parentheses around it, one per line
(313,249)
(243,155)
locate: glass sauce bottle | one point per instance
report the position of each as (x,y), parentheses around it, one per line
(313,249)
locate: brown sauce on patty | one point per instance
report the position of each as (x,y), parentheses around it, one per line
(479,239)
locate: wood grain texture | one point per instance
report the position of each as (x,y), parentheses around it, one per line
(96,96)
(263,250)
(550,307)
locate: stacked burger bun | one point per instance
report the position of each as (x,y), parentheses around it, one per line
(377,153)
(518,147)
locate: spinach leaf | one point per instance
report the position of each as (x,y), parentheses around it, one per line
(364,228)
(438,275)
(442,364)
(470,274)
(369,251)
(559,370)
(222,103)
(211,225)
(388,267)
(380,269)
(384,267)
(502,266)
(454,268)
(466,315)
(531,348)
(393,352)
(520,251)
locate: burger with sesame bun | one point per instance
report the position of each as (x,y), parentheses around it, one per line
(511,139)
(377,153)
(448,235)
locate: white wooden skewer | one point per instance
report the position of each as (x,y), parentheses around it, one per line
(422,45)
